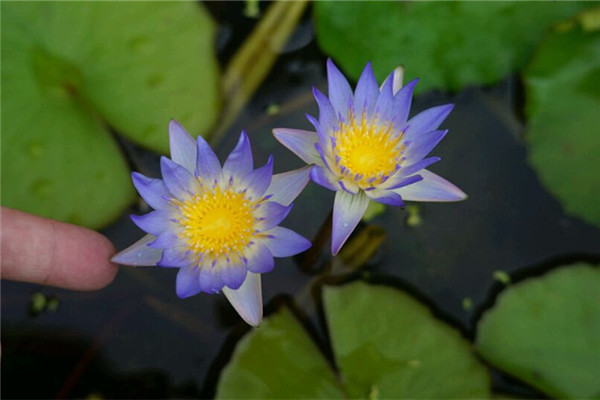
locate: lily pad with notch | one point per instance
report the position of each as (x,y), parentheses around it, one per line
(447,45)
(563,99)
(385,344)
(546,332)
(72,72)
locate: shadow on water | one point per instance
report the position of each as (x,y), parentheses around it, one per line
(27,349)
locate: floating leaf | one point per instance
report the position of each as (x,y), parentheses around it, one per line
(386,345)
(70,70)
(382,338)
(448,45)
(546,331)
(276,361)
(563,99)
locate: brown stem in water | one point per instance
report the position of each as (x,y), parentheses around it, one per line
(310,260)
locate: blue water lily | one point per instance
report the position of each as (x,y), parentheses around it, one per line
(217,225)
(365,147)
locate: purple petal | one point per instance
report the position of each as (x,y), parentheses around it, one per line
(322,176)
(397,77)
(239,162)
(180,182)
(386,197)
(260,259)
(271,214)
(385,81)
(166,239)
(299,142)
(209,279)
(327,117)
(402,102)
(348,210)
(208,167)
(155,222)
(398,180)
(247,300)
(257,181)
(183,146)
(427,121)
(285,187)
(233,274)
(313,121)
(366,92)
(418,166)
(339,91)
(175,257)
(187,282)
(326,160)
(139,253)
(153,191)
(348,186)
(384,110)
(322,133)
(431,188)
(422,145)
(283,242)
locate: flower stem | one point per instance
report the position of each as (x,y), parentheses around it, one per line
(310,261)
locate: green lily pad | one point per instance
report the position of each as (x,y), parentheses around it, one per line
(278,360)
(546,331)
(563,99)
(447,45)
(72,69)
(386,345)
(384,340)
(58,160)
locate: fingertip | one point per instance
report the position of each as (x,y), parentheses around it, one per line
(48,252)
(102,271)
(82,259)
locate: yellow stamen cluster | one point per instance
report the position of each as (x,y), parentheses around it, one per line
(218,222)
(367,151)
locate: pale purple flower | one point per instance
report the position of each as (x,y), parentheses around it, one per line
(217,225)
(365,147)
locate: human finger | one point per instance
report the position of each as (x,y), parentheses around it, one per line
(41,250)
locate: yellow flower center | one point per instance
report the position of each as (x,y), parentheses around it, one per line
(367,151)
(217,223)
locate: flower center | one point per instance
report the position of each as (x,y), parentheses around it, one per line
(367,152)
(217,223)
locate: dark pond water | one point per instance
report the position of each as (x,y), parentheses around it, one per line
(135,338)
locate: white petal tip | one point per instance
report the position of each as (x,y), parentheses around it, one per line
(348,210)
(139,253)
(338,243)
(254,322)
(247,299)
(334,250)
(251,317)
(398,79)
